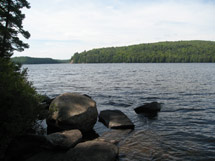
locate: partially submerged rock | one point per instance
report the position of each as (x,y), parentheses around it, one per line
(115,136)
(66,139)
(93,151)
(115,119)
(72,111)
(149,108)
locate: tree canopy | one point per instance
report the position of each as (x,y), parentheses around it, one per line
(161,52)
(11,18)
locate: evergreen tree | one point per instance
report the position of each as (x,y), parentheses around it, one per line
(11,19)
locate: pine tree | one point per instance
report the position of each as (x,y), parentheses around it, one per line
(11,18)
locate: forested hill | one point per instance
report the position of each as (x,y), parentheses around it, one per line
(161,52)
(30,60)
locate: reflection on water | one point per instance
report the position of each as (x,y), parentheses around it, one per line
(183,130)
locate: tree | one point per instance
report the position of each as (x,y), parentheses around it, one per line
(20,106)
(11,18)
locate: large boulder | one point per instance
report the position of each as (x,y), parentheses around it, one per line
(93,151)
(115,119)
(65,139)
(72,111)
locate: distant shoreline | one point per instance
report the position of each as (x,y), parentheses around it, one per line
(32,60)
(195,51)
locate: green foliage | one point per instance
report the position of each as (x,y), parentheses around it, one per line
(30,60)
(19,102)
(162,52)
(11,19)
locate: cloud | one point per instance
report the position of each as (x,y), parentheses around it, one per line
(60,28)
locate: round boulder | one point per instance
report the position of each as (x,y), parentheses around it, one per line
(72,111)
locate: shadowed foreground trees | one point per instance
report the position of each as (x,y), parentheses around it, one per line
(19,102)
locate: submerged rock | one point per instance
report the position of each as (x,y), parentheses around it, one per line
(149,108)
(115,119)
(72,111)
(144,145)
(93,151)
(115,136)
(66,139)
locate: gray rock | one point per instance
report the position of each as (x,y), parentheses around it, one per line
(115,119)
(93,151)
(66,139)
(149,108)
(72,111)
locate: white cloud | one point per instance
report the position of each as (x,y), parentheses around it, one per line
(68,26)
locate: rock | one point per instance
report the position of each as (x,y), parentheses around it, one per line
(44,107)
(72,111)
(90,135)
(149,108)
(115,136)
(115,119)
(93,151)
(144,145)
(46,101)
(87,96)
(66,139)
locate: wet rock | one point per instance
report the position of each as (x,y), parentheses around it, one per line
(93,151)
(66,139)
(149,108)
(115,136)
(143,145)
(87,96)
(115,119)
(72,111)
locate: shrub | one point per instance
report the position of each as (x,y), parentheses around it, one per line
(19,102)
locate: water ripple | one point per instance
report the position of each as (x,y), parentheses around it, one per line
(183,130)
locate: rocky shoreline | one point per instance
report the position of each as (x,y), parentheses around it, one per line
(71,117)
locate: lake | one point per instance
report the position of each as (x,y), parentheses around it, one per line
(183,130)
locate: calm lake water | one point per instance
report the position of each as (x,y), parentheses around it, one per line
(183,130)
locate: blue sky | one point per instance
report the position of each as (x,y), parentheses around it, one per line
(59,28)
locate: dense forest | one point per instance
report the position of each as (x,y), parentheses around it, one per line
(30,60)
(161,52)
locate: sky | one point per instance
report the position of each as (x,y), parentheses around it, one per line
(59,28)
